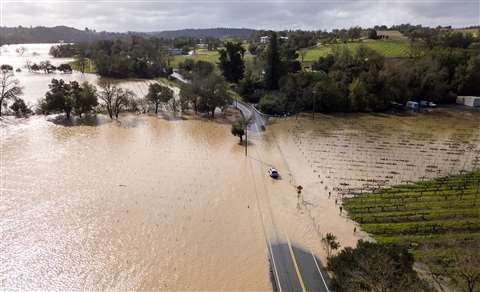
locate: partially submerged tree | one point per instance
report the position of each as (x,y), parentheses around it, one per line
(213,94)
(59,98)
(331,244)
(9,88)
(158,94)
(238,130)
(68,97)
(114,98)
(20,108)
(84,97)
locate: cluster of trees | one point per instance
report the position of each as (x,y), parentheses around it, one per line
(47,67)
(128,57)
(79,99)
(64,51)
(438,37)
(362,81)
(69,97)
(205,94)
(190,68)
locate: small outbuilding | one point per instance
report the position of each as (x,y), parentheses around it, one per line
(471,101)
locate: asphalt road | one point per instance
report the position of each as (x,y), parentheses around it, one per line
(258,122)
(293,268)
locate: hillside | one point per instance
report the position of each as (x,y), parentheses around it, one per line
(388,48)
(220,33)
(41,34)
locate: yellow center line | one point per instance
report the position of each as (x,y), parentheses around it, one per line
(296,265)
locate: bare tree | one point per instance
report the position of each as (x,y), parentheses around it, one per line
(9,86)
(466,269)
(114,98)
(107,96)
(121,100)
(20,51)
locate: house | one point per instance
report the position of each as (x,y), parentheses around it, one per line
(471,101)
(264,39)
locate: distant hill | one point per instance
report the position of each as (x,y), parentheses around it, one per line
(41,34)
(220,33)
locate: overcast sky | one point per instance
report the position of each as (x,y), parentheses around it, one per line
(155,15)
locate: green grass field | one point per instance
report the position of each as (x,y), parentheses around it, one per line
(89,66)
(388,48)
(203,55)
(474,31)
(436,218)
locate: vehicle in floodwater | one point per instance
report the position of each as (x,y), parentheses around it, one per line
(273,173)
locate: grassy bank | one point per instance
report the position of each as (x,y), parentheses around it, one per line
(89,66)
(437,218)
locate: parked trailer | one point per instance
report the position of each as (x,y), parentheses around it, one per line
(471,101)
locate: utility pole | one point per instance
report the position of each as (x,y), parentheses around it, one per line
(246,139)
(314,100)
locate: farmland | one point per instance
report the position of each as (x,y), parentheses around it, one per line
(436,218)
(203,55)
(388,48)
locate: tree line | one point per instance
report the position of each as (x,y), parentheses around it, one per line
(349,81)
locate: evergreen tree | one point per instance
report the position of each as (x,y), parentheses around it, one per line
(231,62)
(274,67)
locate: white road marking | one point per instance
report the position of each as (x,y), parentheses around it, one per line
(319,271)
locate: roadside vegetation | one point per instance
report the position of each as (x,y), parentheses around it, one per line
(438,220)
(374,267)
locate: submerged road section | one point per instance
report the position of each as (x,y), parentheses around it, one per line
(293,268)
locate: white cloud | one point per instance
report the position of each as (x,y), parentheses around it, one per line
(154,15)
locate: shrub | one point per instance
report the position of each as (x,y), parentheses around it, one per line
(273,103)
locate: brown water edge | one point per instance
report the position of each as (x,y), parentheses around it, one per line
(351,153)
(155,205)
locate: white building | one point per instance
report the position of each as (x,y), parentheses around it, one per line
(264,39)
(471,101)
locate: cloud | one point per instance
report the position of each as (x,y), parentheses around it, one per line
(154,15)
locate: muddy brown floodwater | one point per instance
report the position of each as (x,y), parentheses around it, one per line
(144,204)
(148,204)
